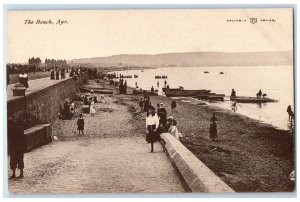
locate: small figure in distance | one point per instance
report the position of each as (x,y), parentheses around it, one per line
(213,133)
(80,124)
(173,107)
(233,93)
(258,95)
(234,107)
(141,104)
(290,112)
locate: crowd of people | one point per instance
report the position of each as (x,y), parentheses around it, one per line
(157,121)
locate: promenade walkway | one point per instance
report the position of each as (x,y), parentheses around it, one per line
(112,157)
(34,85)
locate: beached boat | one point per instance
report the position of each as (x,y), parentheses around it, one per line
(142,92)
(185,93)
(221,72)
(206,72)
(164,89)
(96,90)
(243,99)
(211,97)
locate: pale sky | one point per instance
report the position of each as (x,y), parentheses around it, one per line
(97,33)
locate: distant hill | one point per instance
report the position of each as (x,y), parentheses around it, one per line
(193,59)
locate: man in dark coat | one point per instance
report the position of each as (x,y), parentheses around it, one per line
(57,74)
(162,115)
(16,146)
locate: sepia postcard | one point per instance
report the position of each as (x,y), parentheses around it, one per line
(150,101)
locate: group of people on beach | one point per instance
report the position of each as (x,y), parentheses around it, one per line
(89,100)
(158,123)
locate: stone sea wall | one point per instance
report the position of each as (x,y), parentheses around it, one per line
(43,106)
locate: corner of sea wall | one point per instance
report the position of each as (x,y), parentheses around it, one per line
(195,175)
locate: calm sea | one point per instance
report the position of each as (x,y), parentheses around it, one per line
(275,81)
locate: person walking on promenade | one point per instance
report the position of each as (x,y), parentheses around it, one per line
(80,124)
(16,146)
(290,112)
(162,114)
(213,133)
(152,123)
(62,73)
(23,79)
(52,74)
(57,74)
(173,107)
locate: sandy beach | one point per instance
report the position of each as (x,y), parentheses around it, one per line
(249,156)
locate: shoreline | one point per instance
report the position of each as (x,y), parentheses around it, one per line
(250,156)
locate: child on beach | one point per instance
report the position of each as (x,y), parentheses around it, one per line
(92,108)
(173,130)
(213,133)
(80,124)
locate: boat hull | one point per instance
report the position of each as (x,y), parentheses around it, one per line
(251,100)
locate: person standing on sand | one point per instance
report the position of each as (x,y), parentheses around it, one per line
(213,133)
(165,83)
(146,102)
(173,107)
(158,84)
(152,123)
(80,124)
(92,108)
(141,104)
(233,93)
(290,112)
(152,89)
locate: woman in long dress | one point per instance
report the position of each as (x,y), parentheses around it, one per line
(92,108)
(152,123)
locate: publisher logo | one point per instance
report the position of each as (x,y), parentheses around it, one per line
(253,20)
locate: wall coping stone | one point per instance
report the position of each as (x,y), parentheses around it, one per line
(196,176)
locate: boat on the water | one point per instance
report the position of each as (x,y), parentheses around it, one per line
(221,72)
(206,72)
(160,77)
(244,99)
